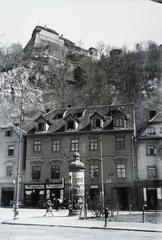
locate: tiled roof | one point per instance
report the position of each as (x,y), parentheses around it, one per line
(66,40)
(16,129)
(37,28)
(83,115)
(156,118)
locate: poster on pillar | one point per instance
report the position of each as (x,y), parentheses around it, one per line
(77,188)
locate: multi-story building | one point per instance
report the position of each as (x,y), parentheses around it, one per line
(46,42)
(98,133)
(9,149)
(149,163)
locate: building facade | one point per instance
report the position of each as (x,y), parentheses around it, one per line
(149,163)
(101,133)
(9,149)
(46,42)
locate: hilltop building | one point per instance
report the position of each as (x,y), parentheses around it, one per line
(46,42)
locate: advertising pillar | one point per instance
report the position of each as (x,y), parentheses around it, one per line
(76,184)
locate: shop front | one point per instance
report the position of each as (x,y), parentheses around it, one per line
(7,191)
(34,193)
(152,197)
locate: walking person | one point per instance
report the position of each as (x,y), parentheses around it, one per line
(49,208)
(106,216)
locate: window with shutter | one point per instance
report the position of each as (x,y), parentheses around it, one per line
(119,122)
(97,123)
(151,150)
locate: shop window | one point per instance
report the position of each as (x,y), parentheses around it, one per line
(37,146)
(11,150)
(8,133)
(121,170)
(8,171)
(36,172)
(120,142)
(93,143)
(152,172)
(55,171)
(119,122)
(56,145)
(151,150)
(74,144)
(94,171)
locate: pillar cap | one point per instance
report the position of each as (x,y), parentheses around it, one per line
(76,163)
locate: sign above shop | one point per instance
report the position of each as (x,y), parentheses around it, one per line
(94,186)
(54,185)
(8,179)
(41,186)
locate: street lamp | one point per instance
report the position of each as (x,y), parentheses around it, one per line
(16,205)
(102,180)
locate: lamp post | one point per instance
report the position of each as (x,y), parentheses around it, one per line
(102,180)
(16,206)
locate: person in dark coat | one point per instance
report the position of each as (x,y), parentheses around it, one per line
(106,212)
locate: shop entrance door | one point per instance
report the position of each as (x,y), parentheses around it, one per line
(123,198)
(151,198)
(94,193)
(7,196)
(35,197)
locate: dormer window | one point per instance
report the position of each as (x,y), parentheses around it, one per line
(71,122)
(71,125)
(151,130)
(58,116)
(119,122)
(78,115)
(41,127)
(96,123)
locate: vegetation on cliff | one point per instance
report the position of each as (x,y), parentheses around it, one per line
(119,76)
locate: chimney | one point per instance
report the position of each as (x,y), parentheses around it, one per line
(17,124)
(45,26)
(152,114)
(47,110)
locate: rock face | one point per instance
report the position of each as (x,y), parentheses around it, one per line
(16,89)
(39,81)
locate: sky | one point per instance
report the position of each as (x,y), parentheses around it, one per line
(115,22)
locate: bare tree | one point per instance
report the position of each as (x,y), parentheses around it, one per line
(100,47)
